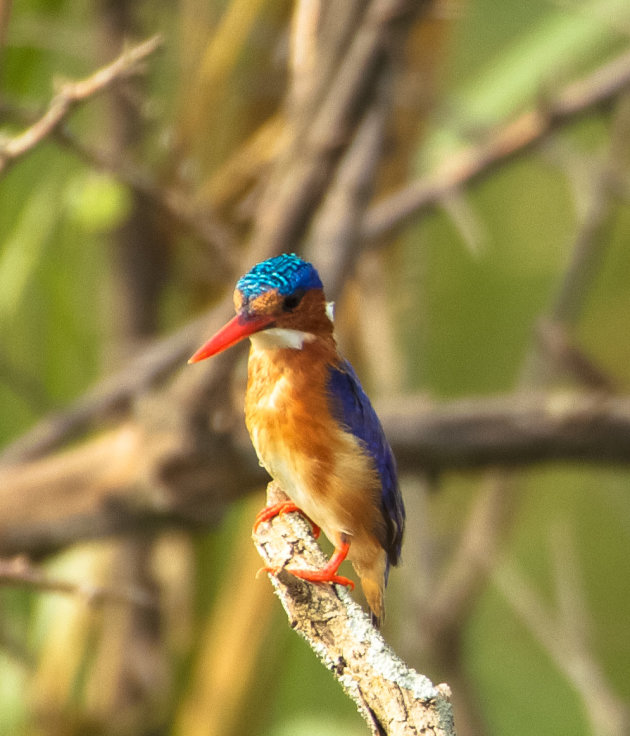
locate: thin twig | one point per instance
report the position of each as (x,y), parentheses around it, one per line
(393,698)
(69,96)
(19,572)
(504,144)
(570,651)
(174,201)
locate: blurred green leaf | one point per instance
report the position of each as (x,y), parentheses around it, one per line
(558,46)
(96,201)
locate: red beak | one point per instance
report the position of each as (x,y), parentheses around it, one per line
(236,329)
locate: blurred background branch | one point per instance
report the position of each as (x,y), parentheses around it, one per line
(72,94)
(18,571)
(143,474)
(501,145)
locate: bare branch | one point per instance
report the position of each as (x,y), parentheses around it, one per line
(70,95)
(392,698)
(19,572)
(568,647)
(115,394)
(321,135)
(558,349)
(504,144)
(510,430)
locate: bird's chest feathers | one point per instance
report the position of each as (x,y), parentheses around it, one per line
(320,466)
(275,403)
(286,413)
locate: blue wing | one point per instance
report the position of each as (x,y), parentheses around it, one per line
(350,405)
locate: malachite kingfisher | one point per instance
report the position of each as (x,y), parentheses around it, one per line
(312,425)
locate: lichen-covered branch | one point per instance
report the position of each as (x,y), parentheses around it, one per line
(393,698)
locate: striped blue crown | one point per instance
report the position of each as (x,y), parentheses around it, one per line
(286,273)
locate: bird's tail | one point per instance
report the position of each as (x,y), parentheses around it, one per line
(375,596)
(373,584)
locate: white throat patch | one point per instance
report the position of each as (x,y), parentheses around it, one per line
(280,337)
(330,311)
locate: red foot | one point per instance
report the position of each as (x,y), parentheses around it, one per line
(328,573)
(282,507)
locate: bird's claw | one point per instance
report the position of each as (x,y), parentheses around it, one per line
(312,576)
(277,509)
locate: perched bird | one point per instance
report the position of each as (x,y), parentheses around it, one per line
(312,425)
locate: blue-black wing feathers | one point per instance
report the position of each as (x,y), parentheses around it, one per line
(350,405)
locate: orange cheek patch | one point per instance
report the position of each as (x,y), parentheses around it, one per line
(268,303)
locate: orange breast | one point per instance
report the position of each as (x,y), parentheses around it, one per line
(323,468)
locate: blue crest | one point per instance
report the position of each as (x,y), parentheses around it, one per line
(286,273)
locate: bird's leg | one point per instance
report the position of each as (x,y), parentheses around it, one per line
(327,574)
(282,507)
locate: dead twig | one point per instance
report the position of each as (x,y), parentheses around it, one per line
(69,96)
(19,572)
(504,144)
(563,635)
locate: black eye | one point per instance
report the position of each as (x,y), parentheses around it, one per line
(292,300)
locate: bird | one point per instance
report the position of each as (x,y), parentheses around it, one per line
(313,426)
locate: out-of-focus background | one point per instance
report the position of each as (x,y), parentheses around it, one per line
(499,288)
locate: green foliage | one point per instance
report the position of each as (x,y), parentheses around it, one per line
(97,202)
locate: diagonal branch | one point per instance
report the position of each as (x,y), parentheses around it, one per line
(569,649)
(321,135)
(394,699)
(112,395)
(502,145)
(69,96)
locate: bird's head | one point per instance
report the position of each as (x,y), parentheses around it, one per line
(279,303)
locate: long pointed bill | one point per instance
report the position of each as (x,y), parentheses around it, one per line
(235,330)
